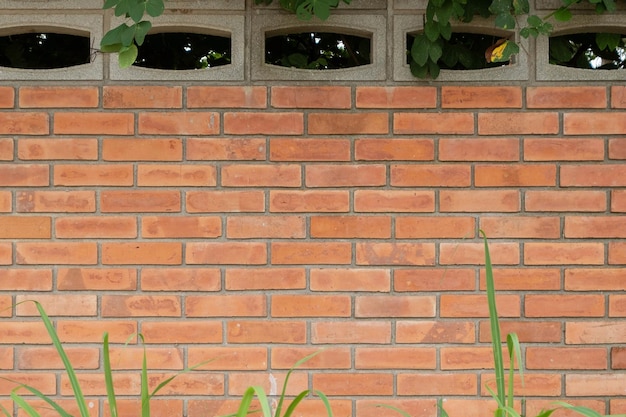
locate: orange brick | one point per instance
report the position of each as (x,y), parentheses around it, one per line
(128,407)
(434,227)
(94,279)
(25,279)
(594,123)
(264,278)
(396,97)
(475,149)
(348,123)
(455,305)
(293,332)
(287,175)
(532,384)
(424,331)
(226,306)
(606,175)
(96,227)
(353,280)
(56,201)
(546,149)
(301,253)
(617,305)
(591,201)
(595,227)
(174,332)
(82,123)
(566,358)
(142,97)
(7,97)
(48,358)
(527,331)
(594,279)
(140,306)
(526,279)
(6,306)
(6,149)
(413,406)
(509,123)
(440,175)
(237,149)
(481,97)
(142,149)
(58,97)
(58,305)
(180,279)
(474,253)
(226,253)
(346,384)
(457,358)
(468,201)
(617,253)
(200,384)
(131,357)
(248,227)
(86,175)
(6,254)
(45,383)
(385,201)
(309,149)
(566,97)
(331,358)
(46,149)
(26,332)
(345,175)
(154,175)
(618,201)
(521,227)
(595,384)
(56,253)
(225,201)
(395,358)
(238,383)
(21,227)
(229,358)
(24,175)
(526,175)
(617,149)
(436,384)
(226,97)
(395,306)
(90,331)
(585,253)
(6,353)
(309,201)
(434,279)
(6,201)
(251,123)
(310,305)
(595,332)
(139,201)
(181,227)
(179,123)
(138,253)
(344,227)
(24,123)
(433,123)
(618,358)
(555,305)
(394,149)
(395,253)
(311,97)
(536,406)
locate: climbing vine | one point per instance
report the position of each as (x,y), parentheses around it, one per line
(428,50)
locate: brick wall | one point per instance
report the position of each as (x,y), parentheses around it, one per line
(256,224)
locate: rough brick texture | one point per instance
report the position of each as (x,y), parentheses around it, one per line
(255,224)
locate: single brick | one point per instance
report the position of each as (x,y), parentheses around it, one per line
(58,97)
(481,97)
(396,97)
(384,201)
(345,175)
(395,358)
(617,253)
(437,384)
(56,253)
(95,227)
(140,306)
(56,201)
(6,200)
(439,175)
(618,97)
(25,279)
(91,331)
(224,201)
(311,97)
(331,358)
(521,227)
(310,149)
(394,149)
(141,253)
(142,97)
(180,227)
(139,201)
(25,227)
(344,332)
(348,123)
(263,123)
(6,149)
(566,97)
(424,331)
(597,123)
(24,123)
(347,384)
(584,253)
(287,175)
(93,175)
(230,149)
(226,253)
(594,279)
(469,305)
(230,358)
(179,123)
(48,358)
(292,332)
(350,227)
(264,278)
(68,149)
(547,149)
(7,97)
(170,332)
(82,123)
(180,279)
(502,253)
(254,97)
(617,148)
(301,253)
(563,201)
(434,227)
(618,201)
(310,305)
(95,279)
(566,358)
(524,279)
(433,123)
(249,305)
(476,149)
(384,253)
(248,227)
(332,279)
(595,332)
(557,305)
(395,306)
(142,150)
(58,305)
(309,201)
(527,331)
(163,175)
(24,175)
(434,279)
(464,357)
(526,123)
(595,227)
(468,201)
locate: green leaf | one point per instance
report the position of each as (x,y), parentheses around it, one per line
(142,30)
(587,412)
(155,8)
(127,56)
(24,405)
(145,395)
(521,6)
(560,49)
(108,376)
(505,21)
(329,410)
(113,36)
(110,3)
(562,14)
(608,41)
(418,71)
(609,5)
(501,6)
(136,10)
(445,30)
(433,69)
(420,50)
(435,51)
(534,21)
(431,30)
(122,7)
(45,398)
(444,413)
(111,48)
(128,35)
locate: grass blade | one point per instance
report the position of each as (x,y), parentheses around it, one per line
(246,400)
(108,376)
(145,395)
(78,393)
(6,412)
(443,411)
(296,365)
(396,409)
(170,379)
(43,397)
(329,410)
(515,351)
(24,405)
(295,403)
(587,412)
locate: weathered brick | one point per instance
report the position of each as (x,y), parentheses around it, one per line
(467,357)
(7,97)
(157,175)
(24,123)
(309,201)
(563,200)
(56,202)
(287,175)
(58,97)
(248,227)
(96,227)
(58,305)
(56,253)
(595,332)
(226,253)
(141,253)
(566,358)
(141,97)
(226,97)
(180,227)
(396,149)
(168,332)
(241,279)
(82,123)
(24,279)
(462,306)
(46,149)
(229,149)
(353,280)
(476,149)
(345,175)
(526,123)
(434,279)
(526,175)
(27,332)
(434,227)
(384,201)
(481,97)
(385,253)
(310,149)
(142,150)
(301,253)
(24,175)
(25,227)
(179,123)
(251,123)
(348,123)
(440,175)
(585,253)
(140,306)
(566,97)
(424,331)
(311,97)
(224,201)
(344,227)
(596,123)
(395,306)
(253,305)
(88,175)
(521,227)
(292,332)
(504,253)
(468,201)
(547,149)
(433,123)
(6,149)
(180,279)
(139,201)
(556,305)
(117,279)
(396,97)
(48,358)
